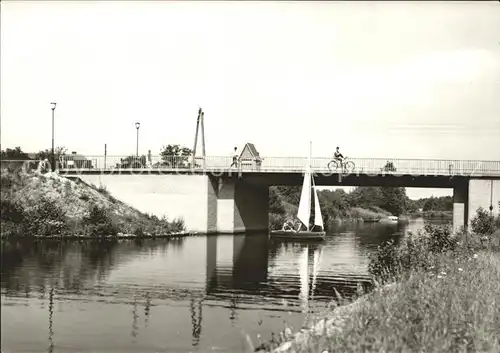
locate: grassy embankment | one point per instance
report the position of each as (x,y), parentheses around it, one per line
(47,205)
(436,292)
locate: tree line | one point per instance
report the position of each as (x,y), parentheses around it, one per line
(338,203)
(172,155)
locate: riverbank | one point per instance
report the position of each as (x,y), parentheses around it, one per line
(50,206)
(444,293)
(432,214)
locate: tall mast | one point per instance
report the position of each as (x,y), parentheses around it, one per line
(196,136)
(310,176)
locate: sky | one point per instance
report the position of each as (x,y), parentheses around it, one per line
(378,79)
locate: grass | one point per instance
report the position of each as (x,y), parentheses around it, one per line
(455,307)
(436,292)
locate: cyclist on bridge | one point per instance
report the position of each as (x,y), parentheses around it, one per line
(338,156)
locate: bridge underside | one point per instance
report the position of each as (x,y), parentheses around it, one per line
(234,203)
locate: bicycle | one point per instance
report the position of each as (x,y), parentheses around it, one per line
(335,164)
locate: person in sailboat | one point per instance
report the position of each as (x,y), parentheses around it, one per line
(292,224)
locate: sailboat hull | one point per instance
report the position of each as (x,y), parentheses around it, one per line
(302,235)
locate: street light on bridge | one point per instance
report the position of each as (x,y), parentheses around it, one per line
(137,126)
(53,164)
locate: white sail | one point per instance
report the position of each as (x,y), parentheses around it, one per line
(318,217)
(304,211)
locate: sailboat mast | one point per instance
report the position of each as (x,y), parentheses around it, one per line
(310,176)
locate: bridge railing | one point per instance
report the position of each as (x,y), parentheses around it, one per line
(289,164)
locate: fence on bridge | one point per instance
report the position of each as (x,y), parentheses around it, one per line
(298,164)
(280,164)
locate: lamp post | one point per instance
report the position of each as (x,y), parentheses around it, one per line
(53,164)
(137,126)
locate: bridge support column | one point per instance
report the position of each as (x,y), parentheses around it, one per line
(460,205)
(242,207)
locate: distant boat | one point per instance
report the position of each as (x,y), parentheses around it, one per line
(389,219)
(304,213)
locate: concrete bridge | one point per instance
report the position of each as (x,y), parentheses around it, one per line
(214,197)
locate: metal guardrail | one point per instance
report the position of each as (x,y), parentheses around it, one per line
(279,164)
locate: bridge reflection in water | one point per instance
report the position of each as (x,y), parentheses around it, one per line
(250,270)
(152,281)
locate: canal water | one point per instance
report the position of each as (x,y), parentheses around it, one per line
(196,294)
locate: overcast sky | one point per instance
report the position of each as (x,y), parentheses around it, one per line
(394,79)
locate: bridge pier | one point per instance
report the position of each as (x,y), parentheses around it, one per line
(460,205)
(471,194)
(241,206)
(483,193)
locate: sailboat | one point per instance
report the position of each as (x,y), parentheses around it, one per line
(304,213)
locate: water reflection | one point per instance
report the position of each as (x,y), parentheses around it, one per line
(134,332)
(147,308)
(51,318)
(195,307)
(214,287)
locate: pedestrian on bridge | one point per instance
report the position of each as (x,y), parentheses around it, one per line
(235,158)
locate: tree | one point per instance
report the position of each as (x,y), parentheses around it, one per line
(394,200)
(389,167)
(443,203)
(275,205)
(14,154)
(366,196)
(290,193)
(430,204)
(175,156)
(133,162)
(47,153)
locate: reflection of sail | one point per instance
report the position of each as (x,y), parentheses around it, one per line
(316,261)
(304,278)
(307,286)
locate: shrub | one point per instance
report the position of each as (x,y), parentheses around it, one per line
(45,218)
(391,261)
(12,218)
(440,238)
(483,223)
(276,221)
(98,222)
(383,262)
(103,190)
(6,181)
(139,231)
(84,197)
(11,211)
(177,225)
